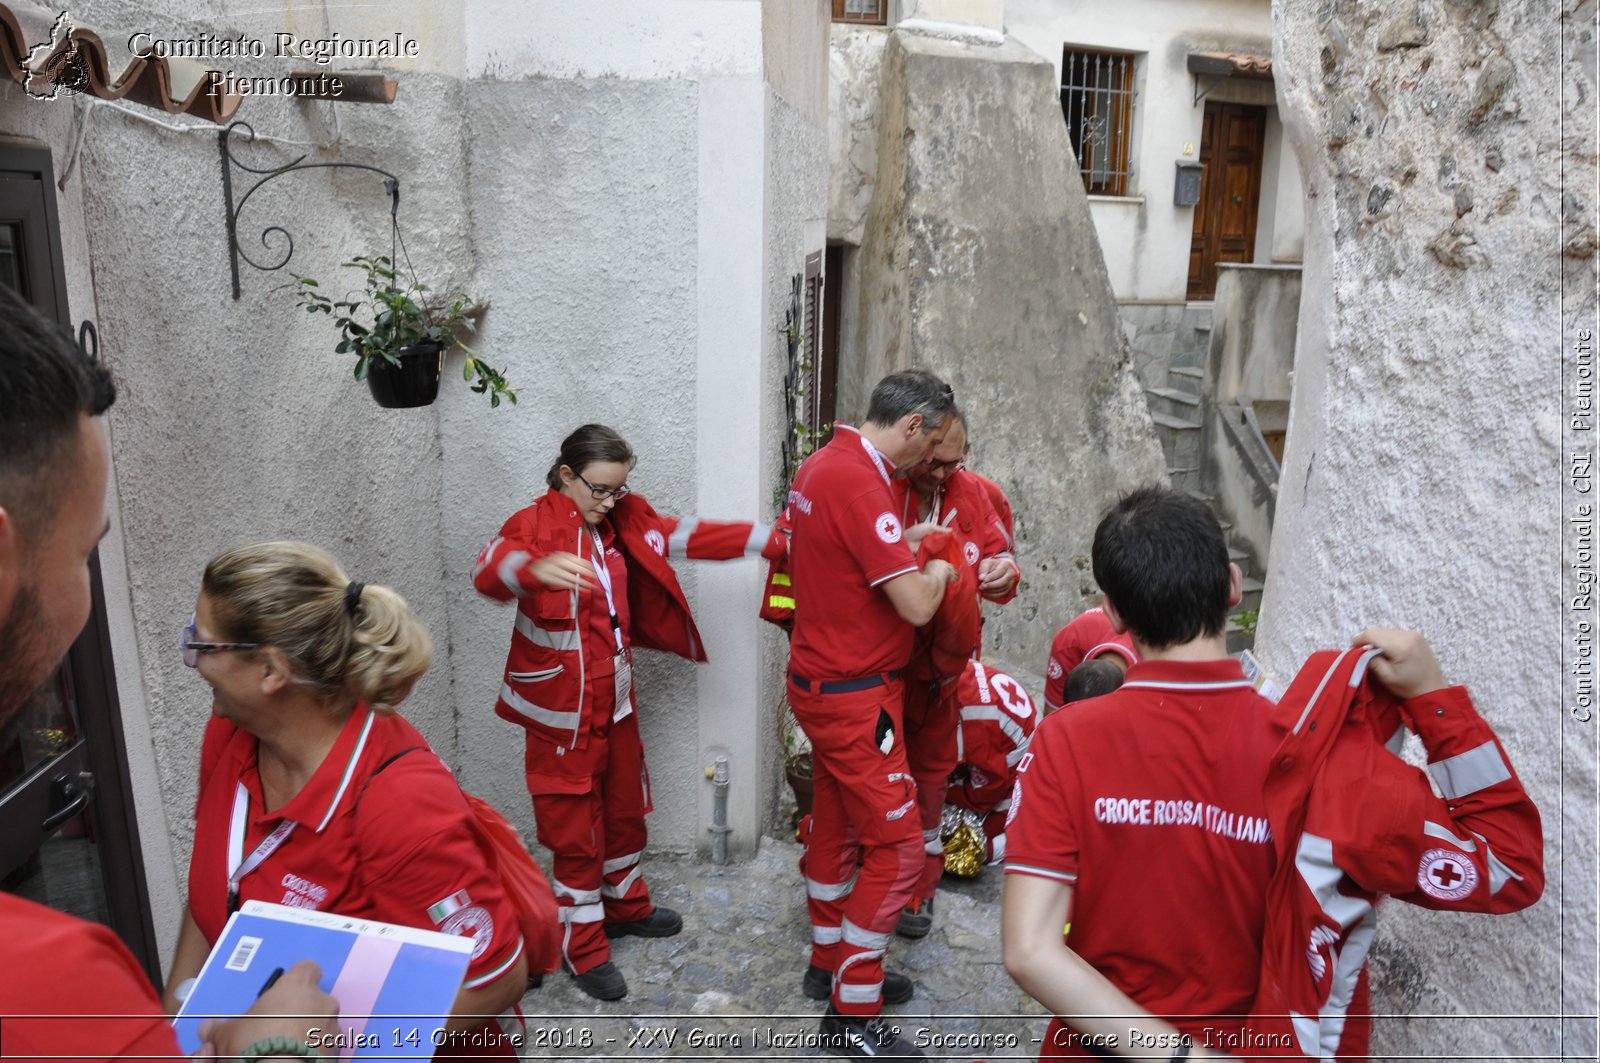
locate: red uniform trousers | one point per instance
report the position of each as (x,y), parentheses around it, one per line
(931,722)
(590,805)
(863,850)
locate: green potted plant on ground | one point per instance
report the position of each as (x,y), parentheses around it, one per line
(399,337)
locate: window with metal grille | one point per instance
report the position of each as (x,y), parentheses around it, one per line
(1097,99)
(867,12)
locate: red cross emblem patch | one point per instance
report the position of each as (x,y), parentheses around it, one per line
(1444,874)
(888,527)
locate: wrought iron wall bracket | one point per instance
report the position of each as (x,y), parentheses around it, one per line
(391,185)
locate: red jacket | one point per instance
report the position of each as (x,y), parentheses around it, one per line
(1001,504)
(545,688)
(997,722)
(1351,821)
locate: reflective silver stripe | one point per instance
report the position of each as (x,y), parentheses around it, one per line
(1435,830)
(1305,1032)
(1314,860)
(868,993)
(863,939)
(934,847)
(863,993)
(1396,741)
(1499,873)
(566,721)
(483,559)
(621,889)
(617,863)
(1467,773)
(1316,695)
(998,843)
(931,834)
(507,571)
(678,541)
(582,913)
(535,677)
(830,891)
(961,747)
(560,889)
(759,534)
(1008,724)
(826,935)
(1005,804)
(1017,754)
(550,640)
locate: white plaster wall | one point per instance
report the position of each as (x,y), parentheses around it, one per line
(624,213)
(1145,237)
(1423,471)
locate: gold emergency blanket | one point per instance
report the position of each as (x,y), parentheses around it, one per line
(962,831)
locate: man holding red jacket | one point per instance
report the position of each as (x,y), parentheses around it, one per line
(861,596)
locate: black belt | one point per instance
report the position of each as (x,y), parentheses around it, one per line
(844,686)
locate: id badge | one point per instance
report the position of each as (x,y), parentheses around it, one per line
(624,679)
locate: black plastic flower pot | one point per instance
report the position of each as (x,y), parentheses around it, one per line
(414,382)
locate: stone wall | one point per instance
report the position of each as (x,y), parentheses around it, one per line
(979,261)
(1448,151)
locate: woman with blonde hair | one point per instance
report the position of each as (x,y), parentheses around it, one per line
(315,793)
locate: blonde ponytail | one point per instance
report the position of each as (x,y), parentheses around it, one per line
(344,639)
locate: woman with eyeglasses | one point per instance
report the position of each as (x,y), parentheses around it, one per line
(587,566)
(315,793)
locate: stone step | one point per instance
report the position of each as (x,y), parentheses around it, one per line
(1174,402)
(1184,477)
(1236,555)
(1180,439)
(1198,316)
(1187,371)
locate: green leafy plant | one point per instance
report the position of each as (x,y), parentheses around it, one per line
(389,313)
(1246,620)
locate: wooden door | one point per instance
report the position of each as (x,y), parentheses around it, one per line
(1231,137)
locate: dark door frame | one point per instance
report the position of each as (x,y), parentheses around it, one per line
(89,663)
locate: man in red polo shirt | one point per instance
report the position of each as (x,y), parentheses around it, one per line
(71,990)
(943,493)
(1143,817)
(862,596)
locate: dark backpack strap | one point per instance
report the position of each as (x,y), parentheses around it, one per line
(376,771)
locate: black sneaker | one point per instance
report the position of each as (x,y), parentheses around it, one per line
(604,982)
(818,985)
(917,920)
(661,923)
(864,1035)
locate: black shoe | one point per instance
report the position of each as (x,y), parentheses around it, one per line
(866,1035)
(604,982)
(917,920)
(818,985)
(660,923)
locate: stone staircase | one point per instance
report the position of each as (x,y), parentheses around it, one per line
(1178,412)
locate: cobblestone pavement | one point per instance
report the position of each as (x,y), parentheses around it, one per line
(729,985)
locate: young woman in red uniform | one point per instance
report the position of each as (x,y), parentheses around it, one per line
(314,793)
(586,565)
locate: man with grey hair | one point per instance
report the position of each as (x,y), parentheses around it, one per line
(863,596)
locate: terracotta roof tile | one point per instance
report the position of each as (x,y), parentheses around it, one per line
(44,56)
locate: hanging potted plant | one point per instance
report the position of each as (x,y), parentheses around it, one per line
(399,336)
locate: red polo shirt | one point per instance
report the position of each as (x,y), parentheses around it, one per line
(80,991)
(1089,634)
(1148,802)
(848,541)
(399,845)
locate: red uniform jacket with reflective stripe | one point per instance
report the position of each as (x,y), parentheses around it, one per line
(997,722)
(1351,821)
(544,688)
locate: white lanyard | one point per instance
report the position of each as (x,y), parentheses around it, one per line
(872,452)
(909,516)
(602,572)
(240,865)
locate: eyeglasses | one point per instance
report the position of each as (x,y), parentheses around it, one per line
(193,648)
(599,493)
